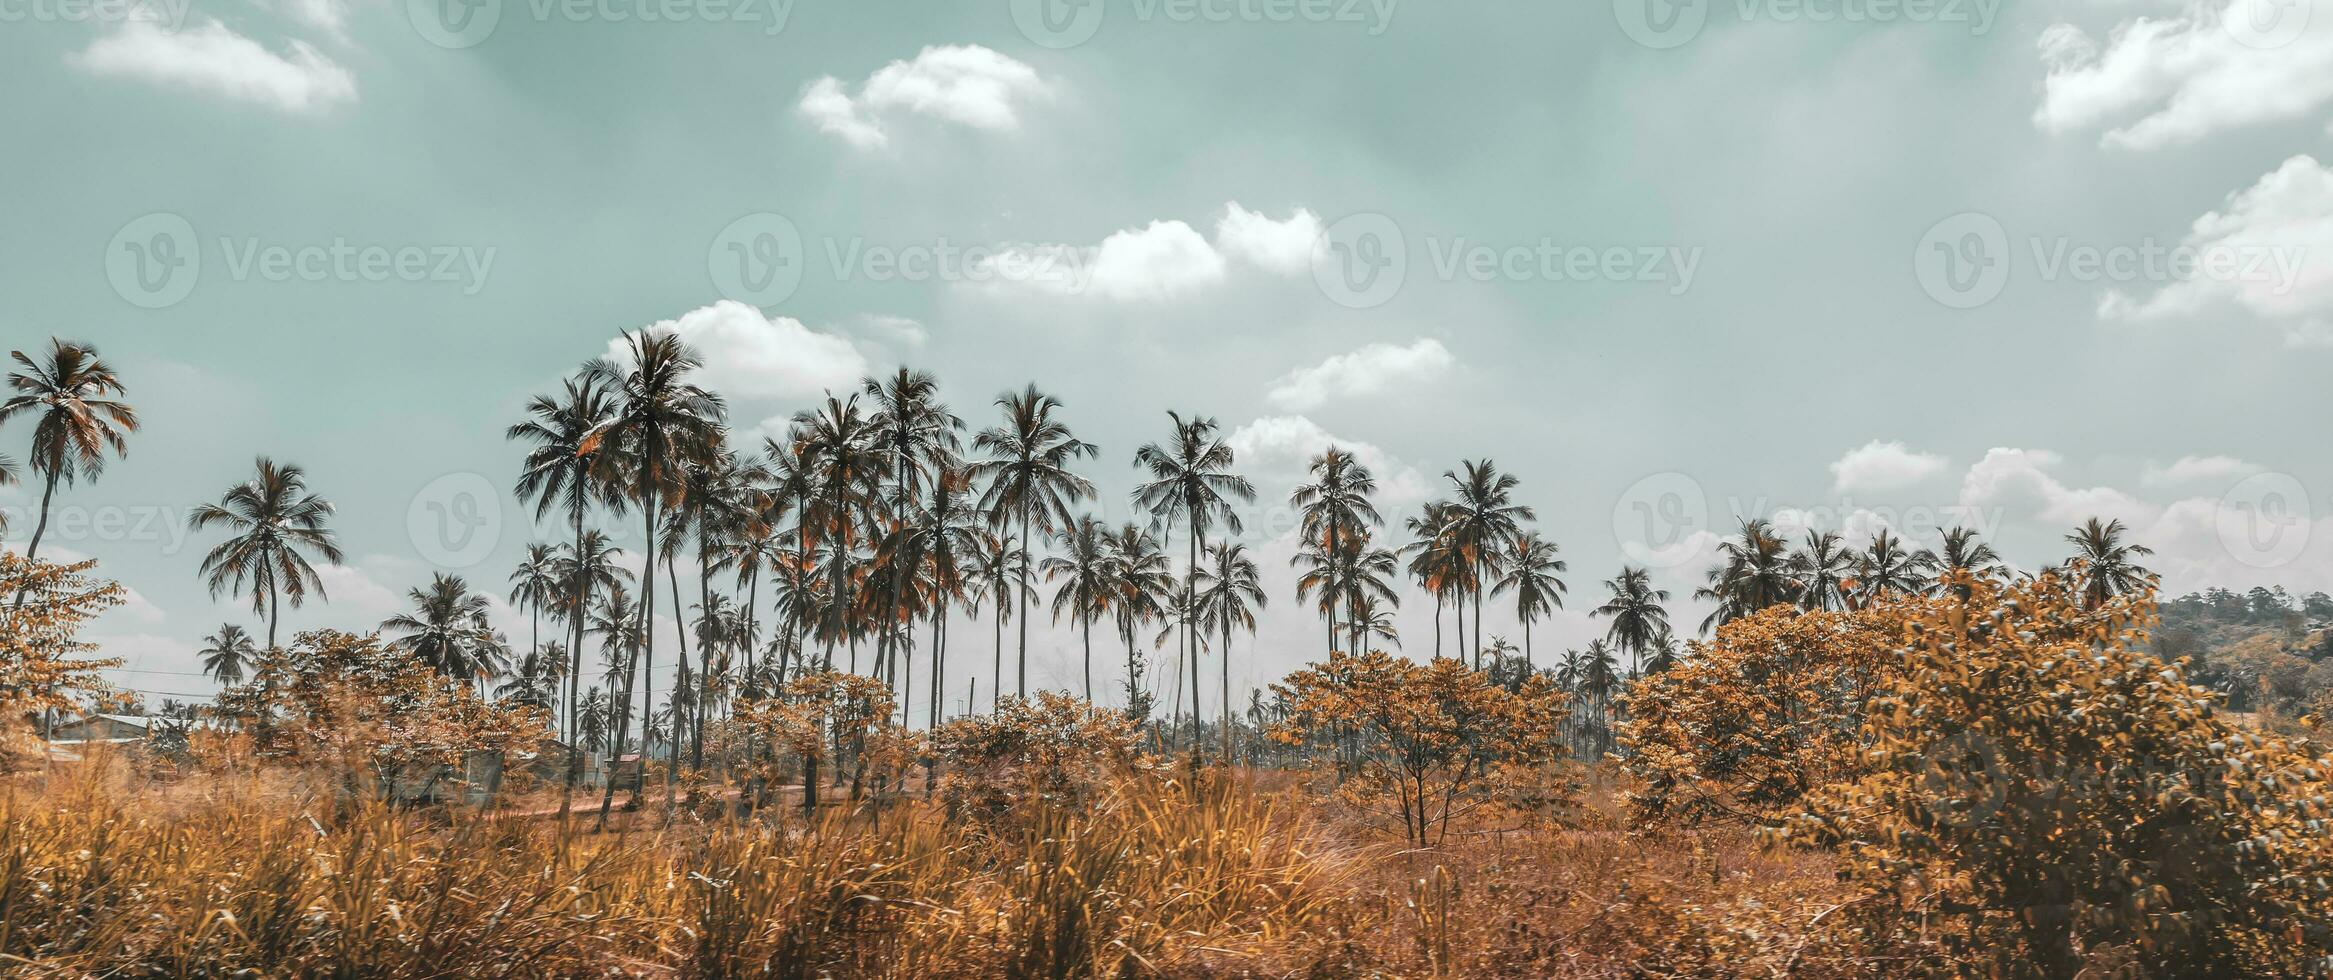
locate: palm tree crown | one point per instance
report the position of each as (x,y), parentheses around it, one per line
(276,519)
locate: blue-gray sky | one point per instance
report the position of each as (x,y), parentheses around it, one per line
(1834,263)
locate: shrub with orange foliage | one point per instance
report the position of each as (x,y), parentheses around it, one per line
(351,705)
(817,716)
(1056,750)
(39,669)
(1762,714)
(1429,742)
(2043,796)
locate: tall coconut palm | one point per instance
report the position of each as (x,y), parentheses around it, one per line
(1753,572)
(1434,565)
(844,470)
(79,418)
(1364,619)
(1481,521)
(998,570)
(569,468)
(1885,566)
(1533,573)
(1191,481)
(534,677)
(1141,579)
(227,653)
(1335,505)
(592,564)
(915,436)
(1028,473)
(1962,551)
(1082,566)
(662,421)
(534,584)
(1229,592)
(2103,562)
(1638,618)
(447,630)
(946,532)
(1822,569)
(276,520)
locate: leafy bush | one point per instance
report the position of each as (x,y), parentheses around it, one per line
(1056,750)
(1762,714)
(1428,743)
(2044,796)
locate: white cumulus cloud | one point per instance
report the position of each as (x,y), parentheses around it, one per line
(213,59)
(754,356)
(1284,247)
(1883,466)
(965,84)
(2163,81)
(2269,251)
(2197,469)
(1372,369)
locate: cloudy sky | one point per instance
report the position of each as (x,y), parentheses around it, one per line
(1836,264)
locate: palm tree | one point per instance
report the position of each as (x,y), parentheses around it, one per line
(1141,579)
(1752,573)
(1191,480)
(662,421)
(947,533)
(1638,617)
(1028,476)
(275,519)
(1434,565)
(1532,570)
(228,652)
(534,679)
(1364,618)
(1083,568)
(913,433)
(569,468)
(68,389)
(1886,567)
(7,479)
(447,630)
(1963,551)
(2103,563)
(1335,506)
(1229,593)
(1665,653)
(997,570)
(1822,570)
(1480,523)
(843,472)
(533,585)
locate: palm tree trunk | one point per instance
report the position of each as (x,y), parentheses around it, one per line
(575,677)
(645,653)
(996,669)
(704,662)
(41,527)
(1190,632)
(1227,686)
(680,717)
(1437,625)
(1089,657)
(1022,688)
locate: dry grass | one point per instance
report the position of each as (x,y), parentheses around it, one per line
(108,875)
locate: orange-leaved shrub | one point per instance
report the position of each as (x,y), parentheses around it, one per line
(2042,797)
(1428,743)
(1055,750)
(42,609)
(1765,712)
